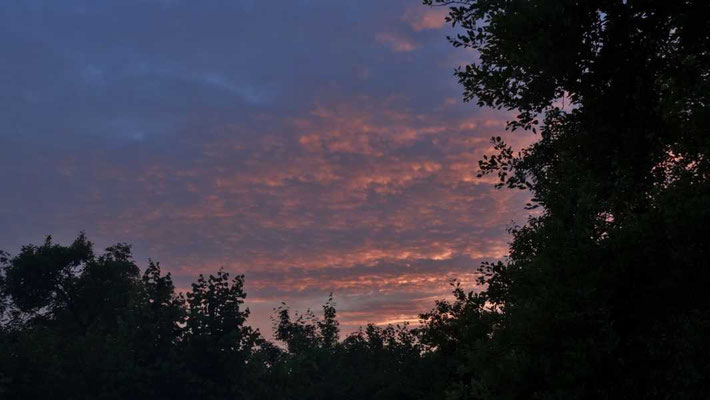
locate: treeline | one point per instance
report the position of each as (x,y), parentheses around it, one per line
(76,325)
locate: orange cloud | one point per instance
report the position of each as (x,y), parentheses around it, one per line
(360,196)
(421,18)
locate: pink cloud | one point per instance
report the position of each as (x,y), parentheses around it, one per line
(336,192)
(396,42)
(420,18)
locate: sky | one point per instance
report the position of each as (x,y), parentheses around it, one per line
(315,146)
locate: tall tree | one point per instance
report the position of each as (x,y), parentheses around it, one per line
(217,342)
(603,292)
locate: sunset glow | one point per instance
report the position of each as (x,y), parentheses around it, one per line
(314,148)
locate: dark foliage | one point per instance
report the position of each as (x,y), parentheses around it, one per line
(604,292)
(80,326)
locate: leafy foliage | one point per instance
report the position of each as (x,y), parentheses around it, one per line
(101,330)
(596,284)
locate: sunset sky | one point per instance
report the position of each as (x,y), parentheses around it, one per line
(313,146)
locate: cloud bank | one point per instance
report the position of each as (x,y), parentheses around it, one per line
(312,146)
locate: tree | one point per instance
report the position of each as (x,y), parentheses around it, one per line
(457,335)
(155,326)
(68,311)
(379,363)
(42,278)
(106,331)
(602,294)
(309,368)
(217,342)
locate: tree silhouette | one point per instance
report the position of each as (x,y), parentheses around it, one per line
(602,294)
(217,342)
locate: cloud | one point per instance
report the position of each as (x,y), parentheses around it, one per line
(421,18)
(302,155)
(396,42)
